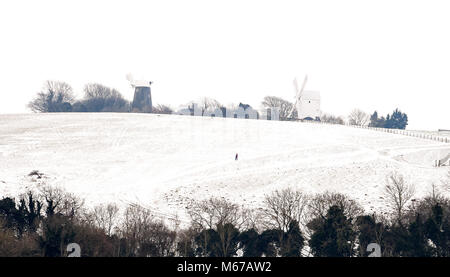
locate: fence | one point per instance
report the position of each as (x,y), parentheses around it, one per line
(408,133)
(393,131)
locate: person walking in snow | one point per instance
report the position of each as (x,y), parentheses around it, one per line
(236,158)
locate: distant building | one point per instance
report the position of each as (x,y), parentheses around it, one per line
(142,101)
(244,111)
(307,102)
(308,106)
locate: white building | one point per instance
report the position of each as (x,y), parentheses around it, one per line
(307,102)
(308,105)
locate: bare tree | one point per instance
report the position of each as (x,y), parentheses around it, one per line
(425,206)
(251,219)
(285,107)
(319,205)
(135,222)
(359,118)
(105,217)
(95,90)
(144,236)
(100,98)
(55,96)
(59,201)
(209,104)
(328,118)
(186,242)
(283,207)
(281,210)
(162,109)
(206,104)
(159,241)
(398,193)
(214,211)
(221,216)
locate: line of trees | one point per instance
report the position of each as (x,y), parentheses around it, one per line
(358,117)
(54,97)
(286,109)
(396,120)
(332,119)
(58,96)
(290,223)
(99,98)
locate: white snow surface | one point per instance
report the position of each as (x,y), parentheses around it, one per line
(163,161)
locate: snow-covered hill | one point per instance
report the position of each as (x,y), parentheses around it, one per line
(161,161)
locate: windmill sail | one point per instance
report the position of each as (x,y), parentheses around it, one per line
(298,94)
(303,86)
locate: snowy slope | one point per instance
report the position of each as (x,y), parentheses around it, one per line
(163,160)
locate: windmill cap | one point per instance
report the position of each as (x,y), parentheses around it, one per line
(311,95)
(141,83)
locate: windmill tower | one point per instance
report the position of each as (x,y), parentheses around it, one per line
(142,101)
(307,102)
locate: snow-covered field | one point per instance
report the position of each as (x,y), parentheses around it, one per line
(162,161)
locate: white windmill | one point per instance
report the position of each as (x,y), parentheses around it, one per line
(307,102)
(142,101)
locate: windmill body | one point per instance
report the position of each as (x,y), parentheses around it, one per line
(142,101)
(308,107)
(307,102)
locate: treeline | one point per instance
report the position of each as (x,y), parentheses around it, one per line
(396,120)
(59,97)
(288,224)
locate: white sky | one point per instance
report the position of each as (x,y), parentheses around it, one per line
(359,54)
